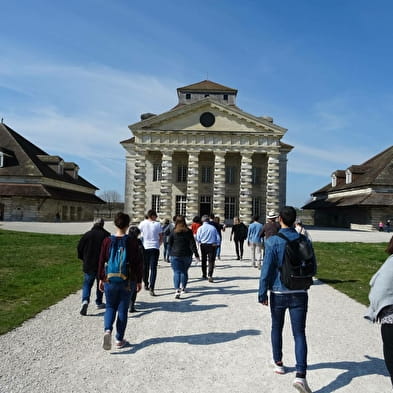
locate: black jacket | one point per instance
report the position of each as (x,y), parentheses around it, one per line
(182,244)
(89,248)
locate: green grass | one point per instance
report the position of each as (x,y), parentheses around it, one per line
(36,271)
(348,267)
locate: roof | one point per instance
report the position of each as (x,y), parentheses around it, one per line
(207,86)
(29,160)
(42,191)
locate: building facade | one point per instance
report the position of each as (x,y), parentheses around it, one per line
(359,197)
(36,186)
(205,156)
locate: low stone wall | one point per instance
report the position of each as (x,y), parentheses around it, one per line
(360,227)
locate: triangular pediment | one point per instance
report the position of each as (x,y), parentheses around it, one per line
(226,119)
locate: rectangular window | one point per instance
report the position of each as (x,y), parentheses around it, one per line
(230,207)
(206,174)
(225,97)
(155,203)
(256,207)
(188,96)
(230,175)
(182,173)
(181,204)
(157,172)
(256,176)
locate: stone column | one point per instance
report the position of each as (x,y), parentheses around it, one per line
(192,207)
(219,185)
(138,203)
(166,186)
(245,197)
(273,183)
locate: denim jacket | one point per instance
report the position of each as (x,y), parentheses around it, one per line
(274,255)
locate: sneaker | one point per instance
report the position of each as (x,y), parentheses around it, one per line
(184,290)
(107,344)
(177,294)
(121,344)
(210,279)
(100,306)
(300,384)
(83,310)
(152,292)
(278,367)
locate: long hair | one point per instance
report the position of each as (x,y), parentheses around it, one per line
(180,224)
(389,248)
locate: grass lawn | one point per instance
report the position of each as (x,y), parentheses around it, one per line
(38,270)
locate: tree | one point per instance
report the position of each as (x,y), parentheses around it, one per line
(112,198)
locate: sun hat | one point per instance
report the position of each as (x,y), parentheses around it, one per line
(272,215)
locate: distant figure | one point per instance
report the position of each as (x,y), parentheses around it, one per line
(209,239)
(88,250)
(387,226)
(152,238)
(254,239)
(118,288)
(167,228)
(381,305)
(182,246)
(301,230)
(239,235)
(380,226)
(196,223)
(220,229)
(57,217)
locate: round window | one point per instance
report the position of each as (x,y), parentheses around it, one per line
(207,119)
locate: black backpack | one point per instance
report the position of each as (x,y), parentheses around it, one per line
(299,264)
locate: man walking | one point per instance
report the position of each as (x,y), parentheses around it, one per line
(254,240)
(209,239)
(151,233)
(281,298)
(88,249)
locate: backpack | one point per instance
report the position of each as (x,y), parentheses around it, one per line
(299,264)
(116,268)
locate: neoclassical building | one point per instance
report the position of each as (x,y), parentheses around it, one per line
(205,155)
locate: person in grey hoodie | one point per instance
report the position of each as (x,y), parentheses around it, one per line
(381,305)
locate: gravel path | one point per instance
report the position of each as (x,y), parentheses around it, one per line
(215,339)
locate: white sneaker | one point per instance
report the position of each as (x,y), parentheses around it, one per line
(300,384)
(177,294)
(107,344)
(278,368)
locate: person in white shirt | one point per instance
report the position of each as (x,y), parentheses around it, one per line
(151,233)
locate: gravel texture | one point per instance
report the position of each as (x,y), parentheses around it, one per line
(216,338)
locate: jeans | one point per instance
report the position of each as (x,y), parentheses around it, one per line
(167,250)
(150,266)
(88,282)
(208,252)
(297,304)
(387,339)
(117,301)
(180,266)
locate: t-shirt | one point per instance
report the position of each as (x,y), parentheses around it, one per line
(150,233)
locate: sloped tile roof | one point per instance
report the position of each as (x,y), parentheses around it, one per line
(208,87)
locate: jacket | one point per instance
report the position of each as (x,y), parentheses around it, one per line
(182,244)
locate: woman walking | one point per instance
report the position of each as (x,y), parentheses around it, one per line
(182,245)
(381,305)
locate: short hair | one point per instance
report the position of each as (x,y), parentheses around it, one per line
(205,218)
(389,248)
(134,231)
(288,215)
(211,216)
(255,218)
(122,220)
(151,213)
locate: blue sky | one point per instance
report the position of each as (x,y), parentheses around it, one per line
(74,74)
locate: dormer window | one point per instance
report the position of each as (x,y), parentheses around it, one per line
(348,176)
(188,96)
(334,180)
(60,168)
(225,97)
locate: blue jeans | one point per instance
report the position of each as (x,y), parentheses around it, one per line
(88,282)
(150,265)
(297,304)
(118,297)
(180,266)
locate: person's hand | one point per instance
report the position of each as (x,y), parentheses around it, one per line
(101,286)
(138,286)
(265,302)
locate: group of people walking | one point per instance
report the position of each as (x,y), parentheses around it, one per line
(202,240)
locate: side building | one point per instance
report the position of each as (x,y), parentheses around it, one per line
(205,156)
(359,196)
(36,186)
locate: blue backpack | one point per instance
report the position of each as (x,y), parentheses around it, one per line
(116,269)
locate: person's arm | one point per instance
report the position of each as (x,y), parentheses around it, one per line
(101,263)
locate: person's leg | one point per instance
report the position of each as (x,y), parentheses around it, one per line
(241,247)
(175,263)
(211,256)
(204,250)
(122,310)
(298,312)
(146,268)
(237,249)
(88,281)
(112,302)
(155,254)
(278,305)
(258,253)
(387,339)
(186,263)
(252,246)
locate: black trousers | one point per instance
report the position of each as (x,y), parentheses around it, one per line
(387,339)
(208,253)
(239,246)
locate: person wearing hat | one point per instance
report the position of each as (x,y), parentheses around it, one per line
(270,228)
(88,249)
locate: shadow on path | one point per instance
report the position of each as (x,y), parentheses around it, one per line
(195,339)
(351,370)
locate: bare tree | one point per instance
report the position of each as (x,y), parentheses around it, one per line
(111,197)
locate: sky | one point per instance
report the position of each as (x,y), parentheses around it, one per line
(74,74)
